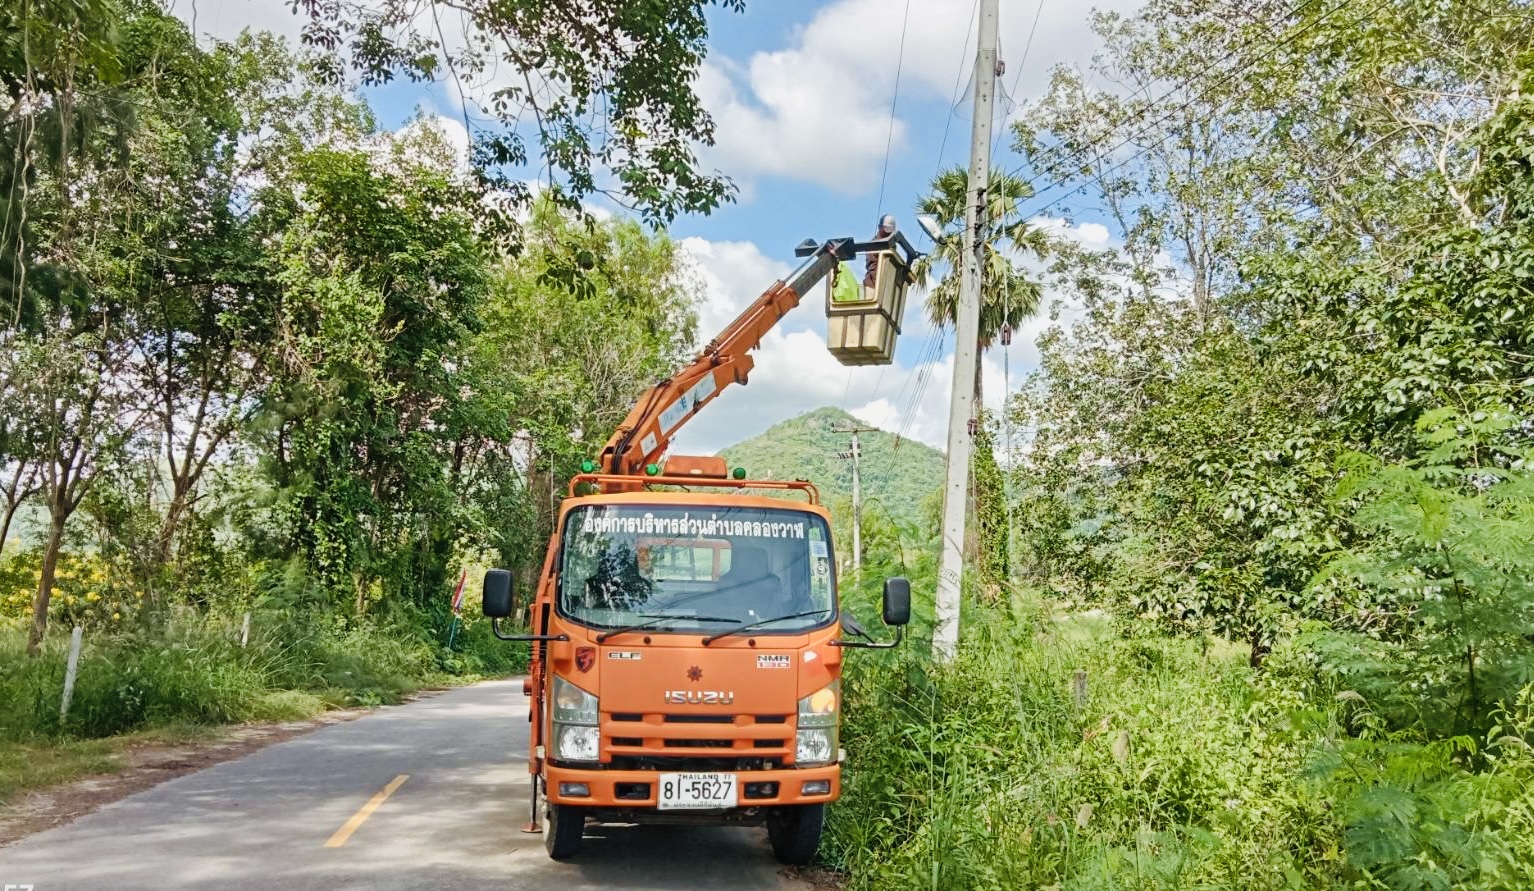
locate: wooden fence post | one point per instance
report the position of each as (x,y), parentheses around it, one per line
(1079,689)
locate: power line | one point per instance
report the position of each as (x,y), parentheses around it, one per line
(889,140)
(929,357)
(1017,76)
(1074,160)
(1183,107)
(953,106)
(958,83)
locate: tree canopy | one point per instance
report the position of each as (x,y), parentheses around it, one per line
(259,351)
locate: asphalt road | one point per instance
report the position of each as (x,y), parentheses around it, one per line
(264,821)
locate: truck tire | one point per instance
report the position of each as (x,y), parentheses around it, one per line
(794,831)
(563,828)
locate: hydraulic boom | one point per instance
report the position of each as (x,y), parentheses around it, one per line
(646,433)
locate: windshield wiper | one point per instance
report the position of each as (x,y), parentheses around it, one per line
(657,620)
(760,622)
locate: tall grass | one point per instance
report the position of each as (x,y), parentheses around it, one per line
(1183,768)
(1177,771)
(194,671)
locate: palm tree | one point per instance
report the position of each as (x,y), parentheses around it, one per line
(1007,295)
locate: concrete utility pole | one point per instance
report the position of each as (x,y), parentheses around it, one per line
(856,456)
(961,413)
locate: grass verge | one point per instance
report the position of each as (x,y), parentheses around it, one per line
(134,688)
(1170,764)
(40,763)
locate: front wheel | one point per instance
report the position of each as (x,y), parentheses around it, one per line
(794,831)
(563,828)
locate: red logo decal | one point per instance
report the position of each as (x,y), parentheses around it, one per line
(585,657)
(695,673)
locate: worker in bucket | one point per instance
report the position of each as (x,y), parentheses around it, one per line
(886,229)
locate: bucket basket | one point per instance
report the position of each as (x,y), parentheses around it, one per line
(862,322)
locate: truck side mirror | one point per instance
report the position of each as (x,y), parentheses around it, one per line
(497,599)
(897,601)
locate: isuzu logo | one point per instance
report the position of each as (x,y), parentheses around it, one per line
(699,697)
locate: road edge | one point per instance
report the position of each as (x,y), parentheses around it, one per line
(145,766)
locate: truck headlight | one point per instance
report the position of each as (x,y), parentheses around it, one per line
(574,742)
(815,746)
(819,714)
(576,735)
(572,705)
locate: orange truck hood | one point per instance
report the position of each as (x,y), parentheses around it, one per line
(675,674)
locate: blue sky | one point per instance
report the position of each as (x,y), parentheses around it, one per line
(802,92)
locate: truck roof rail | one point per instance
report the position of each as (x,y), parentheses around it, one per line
(622,482)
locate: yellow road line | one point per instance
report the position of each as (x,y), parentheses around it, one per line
(345,832)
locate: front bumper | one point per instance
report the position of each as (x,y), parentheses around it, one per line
(605,786)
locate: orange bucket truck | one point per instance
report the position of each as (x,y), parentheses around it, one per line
(686,634)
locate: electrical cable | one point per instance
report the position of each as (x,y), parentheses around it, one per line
(1074,161)
(1017,76)
(929,357)
(889,140)
(958,84)
(953,106)
(1184,106)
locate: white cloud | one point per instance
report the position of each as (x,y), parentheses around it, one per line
(878,413)
(783,118)
(225,19)
(431,129)
(794,371)
(733,275)
(819,109)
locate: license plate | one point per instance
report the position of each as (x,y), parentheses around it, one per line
(696,791)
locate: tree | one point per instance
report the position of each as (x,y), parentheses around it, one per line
(1008,295)
(199,284)
(62,114)
(582,322)
(607,86)
(1316,254)
(382,276)
(76,409)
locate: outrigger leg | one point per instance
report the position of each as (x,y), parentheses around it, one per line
(531,825)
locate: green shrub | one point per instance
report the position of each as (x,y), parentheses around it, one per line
(195,671)
(1424,813)
(128,682)
(286,705)
(1450,567)
(1176,772)
(481,653)
(348,664)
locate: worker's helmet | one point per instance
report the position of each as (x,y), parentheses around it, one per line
(887,223)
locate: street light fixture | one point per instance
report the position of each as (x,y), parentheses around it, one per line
(929,225)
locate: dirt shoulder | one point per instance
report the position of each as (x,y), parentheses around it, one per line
(126,765)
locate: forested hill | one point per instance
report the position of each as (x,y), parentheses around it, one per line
(900,479)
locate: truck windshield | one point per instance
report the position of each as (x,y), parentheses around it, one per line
(707,568)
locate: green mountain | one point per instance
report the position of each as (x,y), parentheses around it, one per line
(901,480)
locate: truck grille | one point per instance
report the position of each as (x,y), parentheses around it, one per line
(683,741)
(691,763)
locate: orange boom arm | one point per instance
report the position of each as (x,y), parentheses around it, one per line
(646,433)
